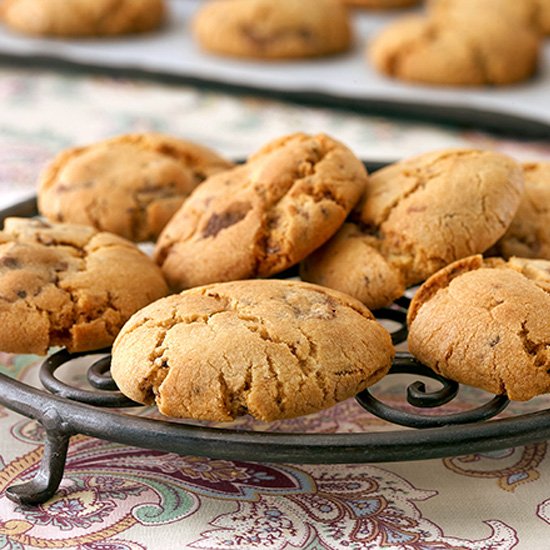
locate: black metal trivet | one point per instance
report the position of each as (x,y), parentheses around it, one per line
(68,411)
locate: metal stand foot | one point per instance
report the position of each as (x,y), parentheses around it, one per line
(46,481)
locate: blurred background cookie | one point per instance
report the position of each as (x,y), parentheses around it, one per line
(417,216)
(532,13)
(130,185)
(464,51)
(69,285)
(529,233)
(82,17)
(264,216)
(273,29)
(486,324)
(272,349)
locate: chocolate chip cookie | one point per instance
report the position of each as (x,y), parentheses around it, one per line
(272,349)
(529,234)
(130,185)
(417,216)
(486,323)
(69,285)
(273,29)
(464,51)
(264,216)
(86,18)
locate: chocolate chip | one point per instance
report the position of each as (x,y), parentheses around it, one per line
(494,341)
(10,262)
(234,214)
(22,294)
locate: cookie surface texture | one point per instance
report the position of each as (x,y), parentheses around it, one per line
(273,29)
(529,234)
(86,18)
(129,185)
(417,216)
(272,349)
(264,216)
(486,324)
(68,285)
(468,51)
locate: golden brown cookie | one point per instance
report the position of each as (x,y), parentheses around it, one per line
(417,216)
(486,324)
(273,29)
(529,234)
(272,349)
(264,216)
(532,13)
(68,285)
(381,4)
(460,52)
(86,18)
(130,185)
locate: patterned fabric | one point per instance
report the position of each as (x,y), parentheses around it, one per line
(122,498)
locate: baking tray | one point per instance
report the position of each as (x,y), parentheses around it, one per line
(344,81)
(65,410)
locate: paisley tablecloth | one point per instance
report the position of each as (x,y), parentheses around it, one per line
(122,498)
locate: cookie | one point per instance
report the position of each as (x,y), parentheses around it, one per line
(264,216)
(86,18)
(486,323)
(417,216)
(269,348)
(460,52)
(532,13)
(381,4)
(69,285)
(273,29)
(130,185)
(529,234)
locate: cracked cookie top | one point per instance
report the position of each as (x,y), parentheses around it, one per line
(417,216)
(83,17)
(270,348)
(130,185)
(264,216)
(462,51)
(268,29)
(529,234)
(486,323)
(69,285)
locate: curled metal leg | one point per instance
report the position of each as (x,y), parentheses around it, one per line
(46,481)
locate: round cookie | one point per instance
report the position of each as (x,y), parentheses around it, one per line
(532,13)
(273,29)
(68,285)
(381,4)
(486,324)
(417,216)
(130,185)
(264,216)
(460,52)
(270,348)
(529,234)
(86,18)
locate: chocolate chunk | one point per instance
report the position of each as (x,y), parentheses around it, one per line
(10,262)
(234,214)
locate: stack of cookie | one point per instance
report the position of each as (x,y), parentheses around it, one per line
(229,345)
